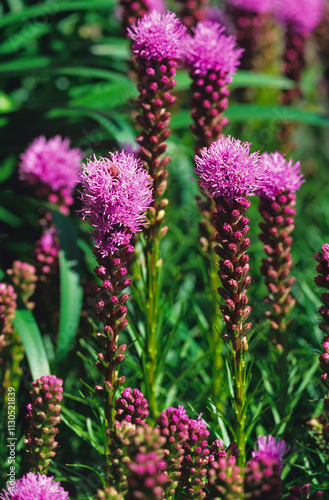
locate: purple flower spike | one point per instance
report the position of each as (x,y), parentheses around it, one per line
(174,426)
(157,36)
(210,50)
(196,458)
(8,306)
(132,407)
(228,169)
(35,487)
(146,477)
(284,175)
(43,416)
(225,479)
(300,15)
(23,277)
(267,447)
(263,473)
(259,6)
(116,193)
(276,206)
(53,167)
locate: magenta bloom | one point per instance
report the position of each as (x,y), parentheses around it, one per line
(132,407)
(116,194)
(35,487)
(300,15)
(210,50)
(228,169)
(259,6)
(266,447)
(157,36)
(51,163)
(284,175)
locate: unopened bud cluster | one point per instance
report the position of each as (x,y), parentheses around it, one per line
(23,277)
(132,407)
(43,417)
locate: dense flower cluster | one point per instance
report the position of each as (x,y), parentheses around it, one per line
(284,175)
(146,477)
(8,306)
(23,277)
(225,479)
(131,406)
(209,49)
(195,461)
(116,193)
(174,426)
(157,36)
(227,169)
(53,167)
(35,487)
(43,416)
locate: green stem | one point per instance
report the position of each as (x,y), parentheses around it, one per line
(215,340)
(152,315)
(239,361)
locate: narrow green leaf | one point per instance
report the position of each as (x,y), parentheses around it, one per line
(29,332)
(22,64)
(47,10)
(71,290)
(245,78)
(245,112)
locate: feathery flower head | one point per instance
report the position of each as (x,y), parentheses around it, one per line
(157,36)
(259,6)
(267,447)
(51,163)
(209,49)
(284,175)
(323,267)
(300,15)
(35,486)
(116,194)
(228,169)
(132,407)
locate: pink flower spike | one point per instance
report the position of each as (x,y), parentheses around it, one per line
(283,175)
(157,36)
(209,49)
(116,194)
(228,169)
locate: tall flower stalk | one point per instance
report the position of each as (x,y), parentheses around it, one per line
(249,17)
(276,206)
(298,22)
(157,40)
(212,59)
(322,280)
(116,194)
(229,173)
